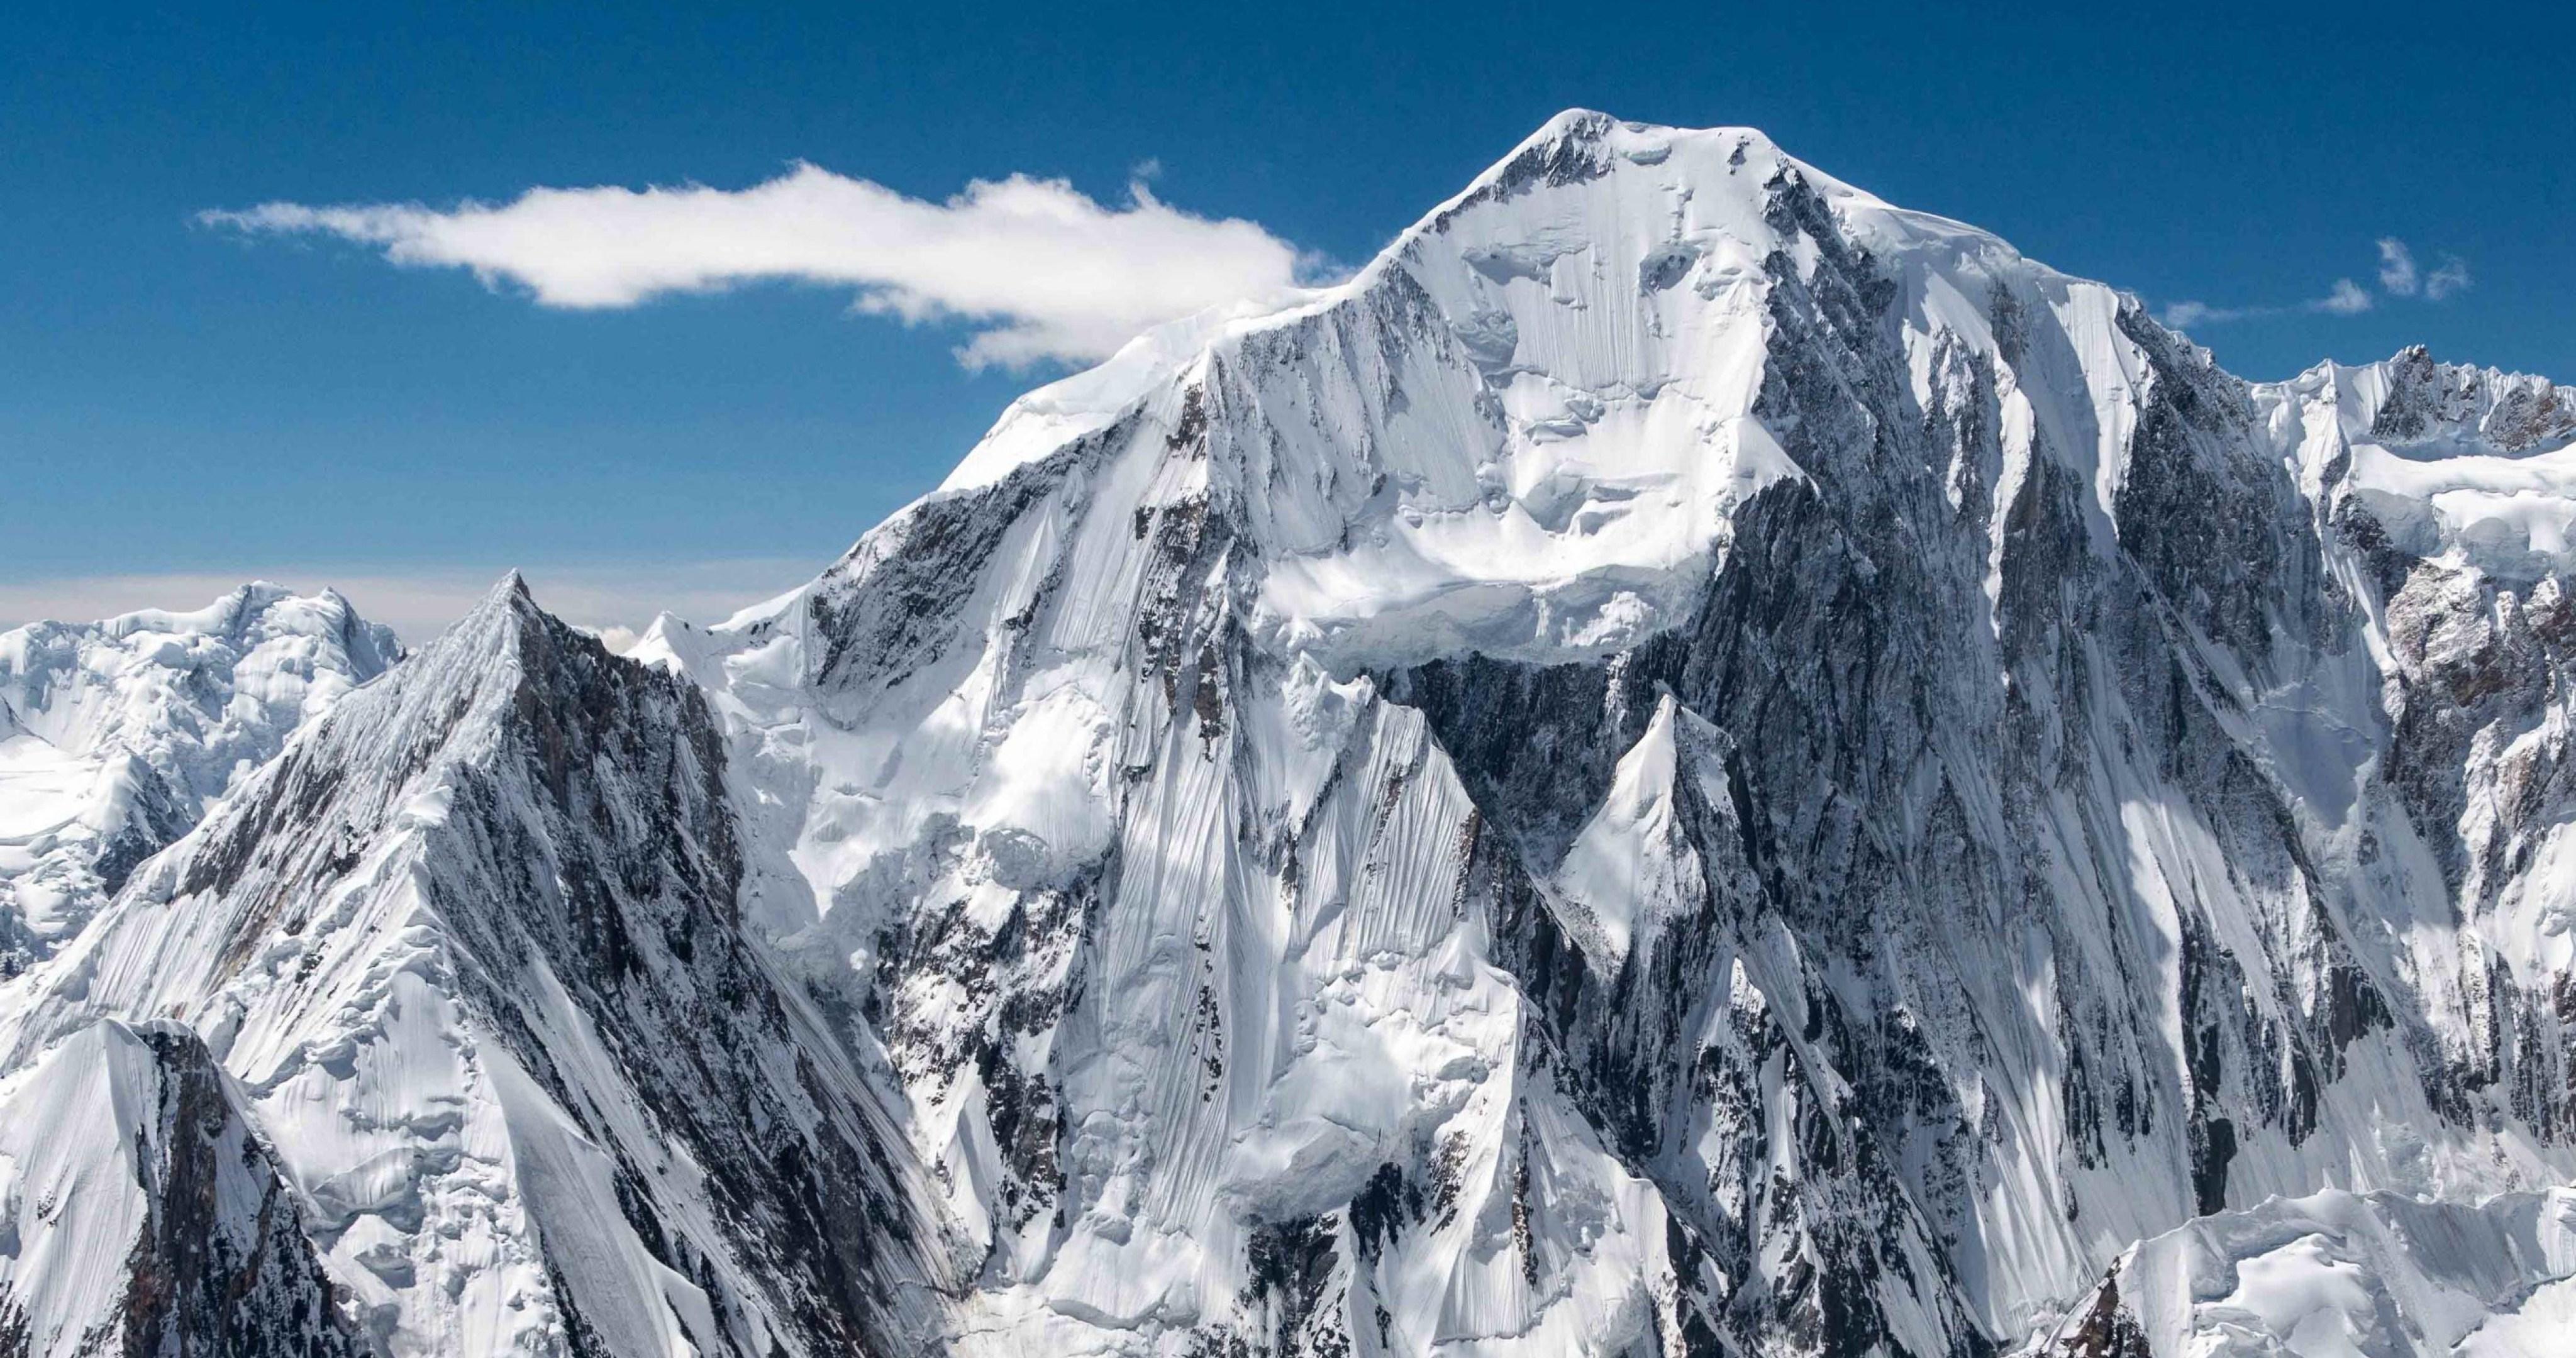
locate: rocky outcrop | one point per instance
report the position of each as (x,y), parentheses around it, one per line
(142,1214)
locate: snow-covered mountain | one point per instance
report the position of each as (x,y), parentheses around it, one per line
(470,948)
(115,736)
(1691,763)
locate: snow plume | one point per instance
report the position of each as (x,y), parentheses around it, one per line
(1043,271)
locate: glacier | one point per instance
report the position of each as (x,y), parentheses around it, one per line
(1689,763)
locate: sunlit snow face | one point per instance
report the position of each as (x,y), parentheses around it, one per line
(2462,465)
(1557,473)
(112,728)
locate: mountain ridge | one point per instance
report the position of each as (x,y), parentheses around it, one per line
(1691,763)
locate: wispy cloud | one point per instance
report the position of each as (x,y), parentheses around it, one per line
(1043,270)
(2184,315)
(2345,298)
(2449,280)
(2396,267)
(2399,276)
(615,601)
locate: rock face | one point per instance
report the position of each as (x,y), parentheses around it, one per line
(1692,763)
(141,1214)
(116,736)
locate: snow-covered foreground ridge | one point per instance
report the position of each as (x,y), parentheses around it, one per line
(1692,763)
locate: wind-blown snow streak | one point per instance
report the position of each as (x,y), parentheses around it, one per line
(1691,763)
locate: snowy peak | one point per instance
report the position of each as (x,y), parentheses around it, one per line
(2412,402)
(116,736)
(1583,182)
(472,946)
(1529,425)
(2450,462)
(1906,738)
(1575,149)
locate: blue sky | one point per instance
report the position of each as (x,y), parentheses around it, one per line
(184,403)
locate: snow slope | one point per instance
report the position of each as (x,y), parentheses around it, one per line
(2340,1275)
(1920,840)
(115,736)
(468,948)
(140,1212)
(1691,763)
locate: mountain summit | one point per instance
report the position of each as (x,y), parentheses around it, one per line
(1691,763)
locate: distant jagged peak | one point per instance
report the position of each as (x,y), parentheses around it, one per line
(134,678)
(121,733)
(248,613)
(506,625)
(2417,399)
(506,644)
(2422,408)
(506,608)
(2452,461)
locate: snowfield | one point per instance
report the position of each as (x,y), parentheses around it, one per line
(1691,763)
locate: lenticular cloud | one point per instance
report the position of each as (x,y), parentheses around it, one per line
(1045,271)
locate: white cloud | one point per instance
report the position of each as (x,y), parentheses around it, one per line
(618,639)
(1045,271)
(613,601)
(2397,273)
(2398,277)
(2449,280)
(2396,267)
(2345,298)
(2185,315)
